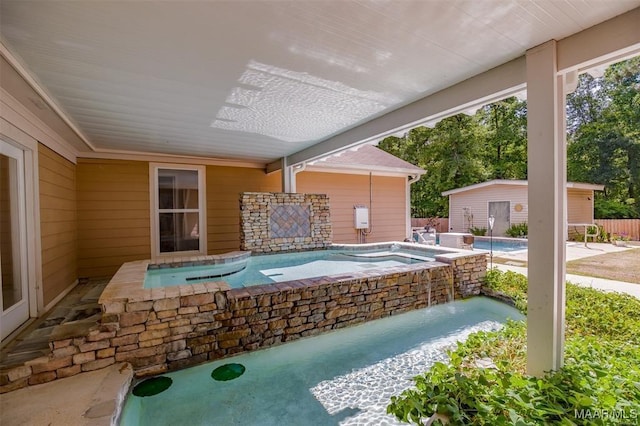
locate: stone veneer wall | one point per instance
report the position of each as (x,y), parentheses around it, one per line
(170,328)
(277,222)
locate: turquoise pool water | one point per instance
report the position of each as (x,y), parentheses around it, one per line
(500,245)
(268,269)
(344,377)
(484,243)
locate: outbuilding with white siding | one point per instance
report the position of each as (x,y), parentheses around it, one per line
(507,201)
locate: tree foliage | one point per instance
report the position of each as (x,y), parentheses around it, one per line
(604,138)
(603,134)
(451,153)
(463,150)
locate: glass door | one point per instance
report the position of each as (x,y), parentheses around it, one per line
(13,257)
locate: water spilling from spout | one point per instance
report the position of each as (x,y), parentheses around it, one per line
(451,291)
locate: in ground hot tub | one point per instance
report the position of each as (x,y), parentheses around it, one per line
(206,315)
(245,271)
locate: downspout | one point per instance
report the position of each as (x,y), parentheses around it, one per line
(293,183)
(369,230)
(411,179)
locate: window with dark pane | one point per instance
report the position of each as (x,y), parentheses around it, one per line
(178,210)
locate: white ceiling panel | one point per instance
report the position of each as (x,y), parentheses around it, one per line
(258,80)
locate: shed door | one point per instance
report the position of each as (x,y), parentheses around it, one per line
(501,211)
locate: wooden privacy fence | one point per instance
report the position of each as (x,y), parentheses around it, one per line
(440,223)
(626,227)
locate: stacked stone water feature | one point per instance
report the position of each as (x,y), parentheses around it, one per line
(279,222)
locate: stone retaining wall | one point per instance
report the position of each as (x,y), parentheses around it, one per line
(170,328)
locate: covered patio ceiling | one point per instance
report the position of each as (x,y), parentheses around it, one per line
(262,80)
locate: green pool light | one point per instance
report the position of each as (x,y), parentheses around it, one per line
(228,372)
(152,386)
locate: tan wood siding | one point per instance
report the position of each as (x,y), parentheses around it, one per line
(224,185)
(58,222)
(388,213)
(579,205)
(113,215)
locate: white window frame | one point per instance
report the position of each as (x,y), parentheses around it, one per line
(155,211)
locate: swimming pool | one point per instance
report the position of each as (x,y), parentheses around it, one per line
(500,244)
(484,243)
(344,377)
(266,269)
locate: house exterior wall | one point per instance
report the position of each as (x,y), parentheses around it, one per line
(114,208)
(113,215)
(58,222)
(388,216)
(579,205)
(224,185)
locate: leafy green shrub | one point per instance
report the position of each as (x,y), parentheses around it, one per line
(511,284)
(575,234)
(601,370)
(603,236)
(518,230)
(478,231)
(612,209)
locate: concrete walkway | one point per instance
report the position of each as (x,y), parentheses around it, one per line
(577,251)
(599,283)
(574,251)
(88,399)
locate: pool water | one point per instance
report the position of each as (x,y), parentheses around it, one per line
(499,245)
(267,269)
(344,377)
(484,243)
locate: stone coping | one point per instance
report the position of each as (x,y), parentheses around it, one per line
(126,286)
(501,239)
(310,283)
(449,251)
(215,259)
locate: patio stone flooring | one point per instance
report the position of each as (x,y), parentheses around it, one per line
(72,316)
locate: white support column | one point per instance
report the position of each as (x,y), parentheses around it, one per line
(547,210)
(410,180)
(288,177)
